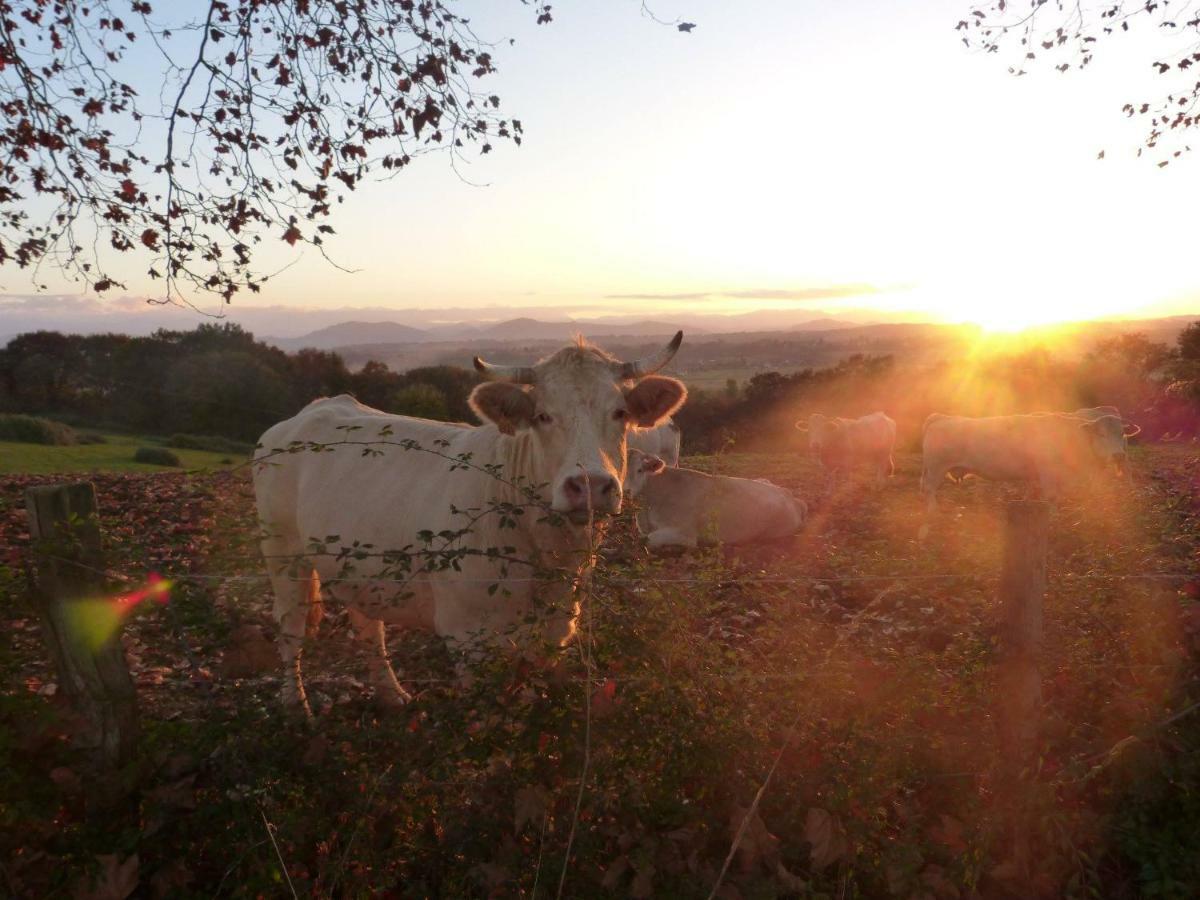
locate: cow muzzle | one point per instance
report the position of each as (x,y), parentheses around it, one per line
(591,493)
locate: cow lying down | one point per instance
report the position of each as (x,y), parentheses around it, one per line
(683,507)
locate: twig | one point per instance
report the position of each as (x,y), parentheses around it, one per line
(357,826)
(753,810)
(587,690)
(537,872)
(236,863)
(278,855)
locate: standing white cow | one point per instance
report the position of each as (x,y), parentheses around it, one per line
(681,507)
(662,441)
(1043,449)
(1115,427)
(841,443)
(403,484)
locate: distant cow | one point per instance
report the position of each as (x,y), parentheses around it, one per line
(662,441)
(1042,449)
(841,443)
(683,507)
(558,428)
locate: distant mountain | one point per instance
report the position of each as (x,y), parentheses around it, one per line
(528,329)
(347,333)
(825,324)
(535,329)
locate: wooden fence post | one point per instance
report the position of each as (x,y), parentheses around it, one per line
(1021,594)
(81,624)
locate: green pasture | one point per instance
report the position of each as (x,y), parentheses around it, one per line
(116,455)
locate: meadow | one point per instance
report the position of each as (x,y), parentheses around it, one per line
(114,455)
(853,664)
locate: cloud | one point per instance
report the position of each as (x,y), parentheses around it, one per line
(823,292)
(658,296)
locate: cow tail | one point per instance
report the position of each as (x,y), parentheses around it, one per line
(316,607)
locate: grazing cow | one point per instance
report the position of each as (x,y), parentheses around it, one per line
(662,441)
(840,443)
(1043,449)
(556,431)
(682,507)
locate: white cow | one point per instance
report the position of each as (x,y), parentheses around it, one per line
(394,483)
(682,507)
(662,441)
(1042,449)
(840,443)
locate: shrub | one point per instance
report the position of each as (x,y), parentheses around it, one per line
(156,456)
(90,437)
(211,443)
(31,430)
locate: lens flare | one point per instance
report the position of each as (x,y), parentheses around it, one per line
(98,620)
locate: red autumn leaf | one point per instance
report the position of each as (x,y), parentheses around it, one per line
(150,237)
(129,191)
(292,235)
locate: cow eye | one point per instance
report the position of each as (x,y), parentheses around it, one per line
(621,415)
(543,418)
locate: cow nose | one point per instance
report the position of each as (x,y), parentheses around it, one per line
(595,489)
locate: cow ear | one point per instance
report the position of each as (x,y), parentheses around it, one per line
(652,465)
(654,398)
(506,405)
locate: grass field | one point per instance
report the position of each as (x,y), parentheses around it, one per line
(114,456)
(853,663)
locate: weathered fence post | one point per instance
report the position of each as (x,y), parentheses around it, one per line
(1021,593)
(80,622)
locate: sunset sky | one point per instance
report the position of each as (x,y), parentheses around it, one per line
(782,155)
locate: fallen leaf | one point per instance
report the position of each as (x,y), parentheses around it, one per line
(170,880)
(643,884)
(758,845)
(180,794)
(612,875)
(530,805)
(249,653)
(825,834)
(116,880)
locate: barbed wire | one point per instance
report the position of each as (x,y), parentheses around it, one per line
(633,582)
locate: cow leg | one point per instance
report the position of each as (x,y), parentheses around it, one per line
(296,589)
(931,478)
(370,632)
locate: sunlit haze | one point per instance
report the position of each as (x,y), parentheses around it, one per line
(817,155)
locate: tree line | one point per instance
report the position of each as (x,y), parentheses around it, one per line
(213,380)
(218,380)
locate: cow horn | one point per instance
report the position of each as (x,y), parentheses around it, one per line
(648,365)
(515,374)
(1137,429)
(801,425)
